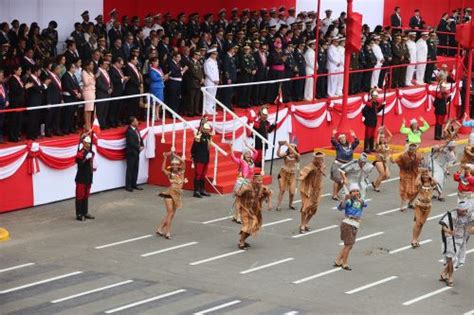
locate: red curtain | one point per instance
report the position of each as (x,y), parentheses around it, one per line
(430,11)
(144,7)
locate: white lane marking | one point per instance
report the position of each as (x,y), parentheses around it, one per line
(425,296)
(124,241)
(323,195)
(168,249)
(390,180)
(408,247)
(291,313)
(216,257)
(469,313)
(217,220)
(366,237)
(155,298)
(91,291)
(316,275)
(389,211)
(266,266)
(16,267)
(315,231)
(370,285)
(218,307)
(277,222)
(435,217)
(334,208)
(453,194)
(29,285)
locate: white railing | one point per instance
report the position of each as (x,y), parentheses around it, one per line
(150,120)
(154,100)
(236,119)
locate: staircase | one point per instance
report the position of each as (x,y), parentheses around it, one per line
(226,173)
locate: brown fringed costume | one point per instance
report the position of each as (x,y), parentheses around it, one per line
(311,177)
(174,191)
(408,164)
(468,156)
(250,200)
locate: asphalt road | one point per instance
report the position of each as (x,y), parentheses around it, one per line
(54,264)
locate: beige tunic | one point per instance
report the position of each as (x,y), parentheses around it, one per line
(250,201)
(311,177)
(408,173)
(174,191)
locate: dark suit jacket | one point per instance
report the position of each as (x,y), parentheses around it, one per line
(70,86)
(133,142)
(53,93)
(395,21)
(415,23)
(195,74)
(262,71)
(117,84)
(35,94)
(16,93)
(133,85)
(229,69)
(102,86)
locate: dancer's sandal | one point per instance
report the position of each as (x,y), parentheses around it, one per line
(450,283)
(337,265)
(168,236)
(292,207)
(307,229)
(302,230)
(442,278)
(347,268)
(247,245)
(159,233)
(242,247)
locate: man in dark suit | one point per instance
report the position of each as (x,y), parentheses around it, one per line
(118,80)
(259,92)
(134,144)
(71,53)
(54,96)
(79,38)
(132,86)
(71,93)
(298,85)
(416,23)
(173,85)
(229,73)
(398,58)
(34,92)
(396,20)
(114,33)
(195,80)
(3,102)
(103,89)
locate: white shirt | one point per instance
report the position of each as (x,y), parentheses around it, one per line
(309,58)
(211,70)
(341,50)
(325,24)
(334,58)
(421,50)
(412,50)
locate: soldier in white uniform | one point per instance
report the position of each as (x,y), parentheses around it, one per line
(211,72)
(335,62)
(411,45)
(380,60)
(310,59)
(421,56)
(341,48)
(326,22)
(291,16)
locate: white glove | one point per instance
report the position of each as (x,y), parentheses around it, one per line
(89,156)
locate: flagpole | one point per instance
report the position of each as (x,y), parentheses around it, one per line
(278,102)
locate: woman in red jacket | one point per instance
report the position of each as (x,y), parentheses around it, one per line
(466,182)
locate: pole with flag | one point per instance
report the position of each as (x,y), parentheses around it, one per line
(278,102)
(384,98)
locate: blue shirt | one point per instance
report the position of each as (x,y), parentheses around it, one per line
(344,153)
(353,208)
(469,123)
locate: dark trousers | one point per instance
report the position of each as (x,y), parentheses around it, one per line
(369,139)
(33,126)
(2,121)
(53,119)
(226,96)
(67,116)
(132,171)
(366,78)
(429,72)
(192,105)
(273,89)
(102,112)
(172,94)
(15,121)
(82,199)
(244,92)
(355,82)
(322,85)
(116,115)
(298,89)
(132,107)
(259,92)
(286,90)
(403,74)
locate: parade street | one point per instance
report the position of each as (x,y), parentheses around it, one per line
(54,264)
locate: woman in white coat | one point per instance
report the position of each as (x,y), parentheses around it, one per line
(421,56)
(211,71)
(310,59)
